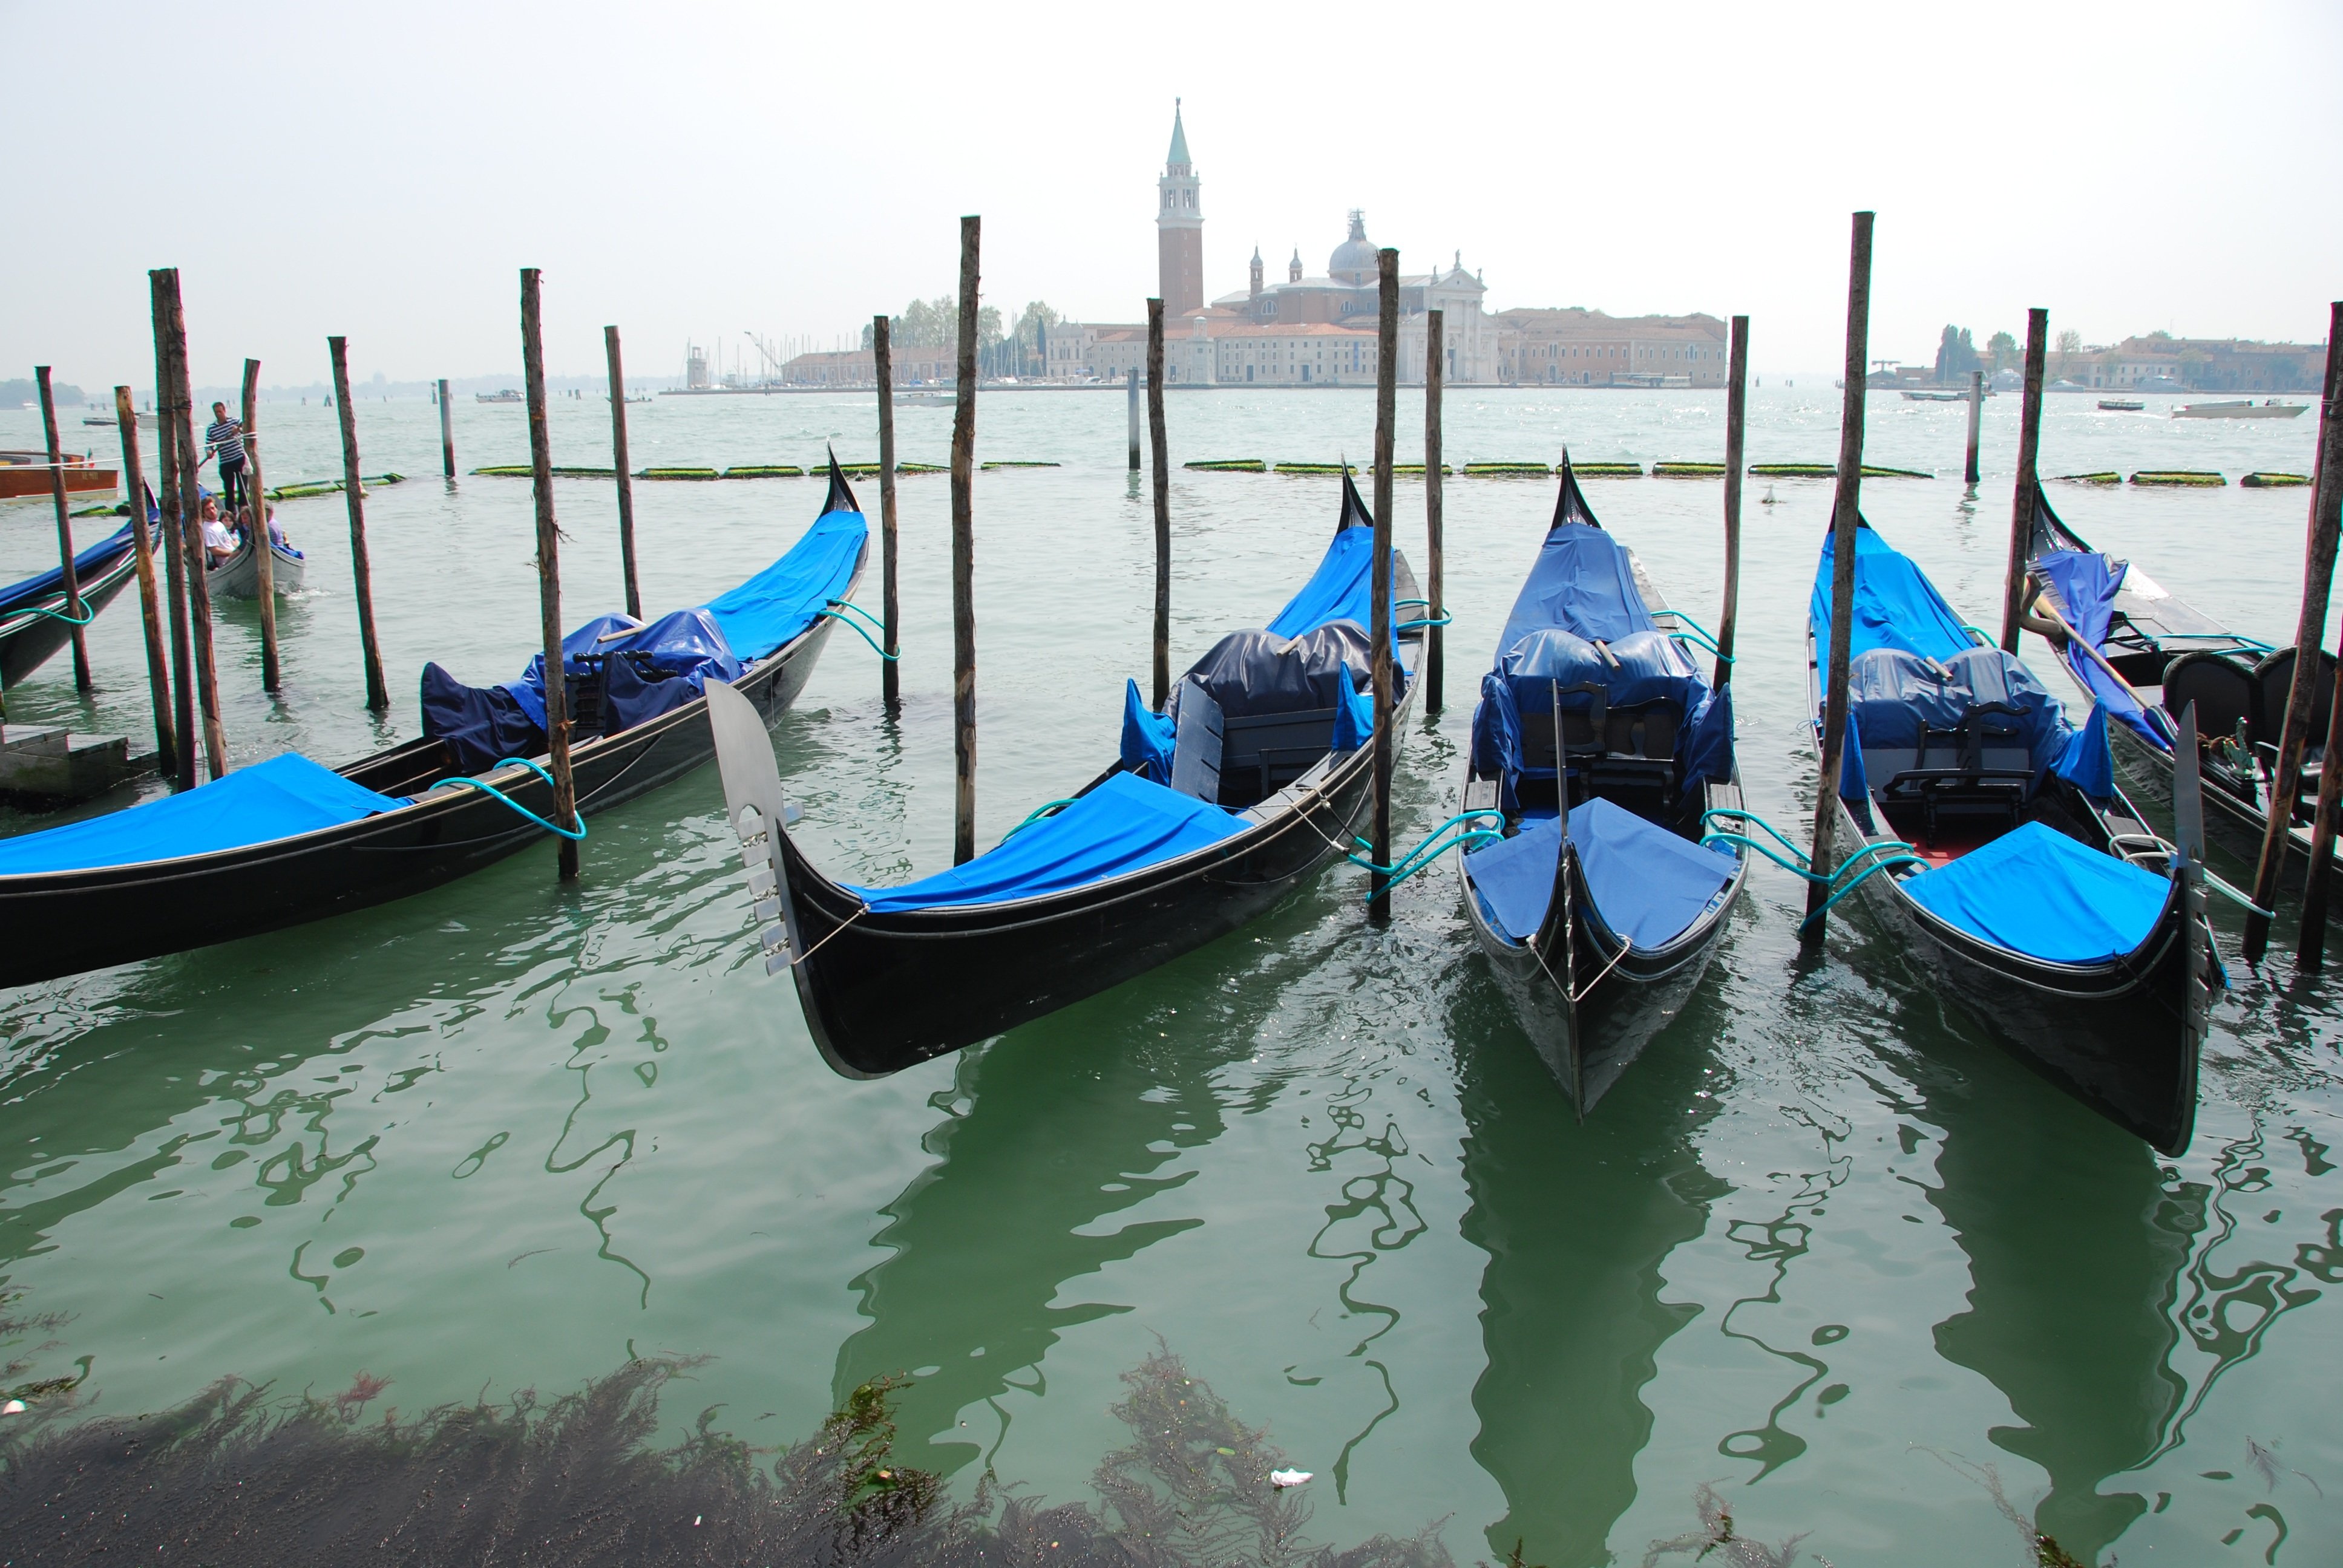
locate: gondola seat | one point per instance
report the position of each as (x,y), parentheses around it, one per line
(2274,681)
(1278,700)
(2225,693)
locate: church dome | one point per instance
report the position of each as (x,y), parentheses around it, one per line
(1354,259)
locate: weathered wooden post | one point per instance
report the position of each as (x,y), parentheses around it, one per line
(265,557)
(1844,504)
(2309,635)
(163,285)
(618,465)
(548,574)
(1736,448)
(963,567)
(65,530)
(1435,371)
(1976,423)
(1380,580)
(1130,398)
(1162,488)
(361,571)
(446,432)
(158,680)
(181,405)
(882,367)
(2310,940)
(2029,441)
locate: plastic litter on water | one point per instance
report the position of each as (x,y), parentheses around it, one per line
(1288,1477)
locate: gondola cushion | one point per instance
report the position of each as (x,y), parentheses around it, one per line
(1124,824)
(1648,884)
(278,799)
(1254,672)
(1905,703)
(2036,892)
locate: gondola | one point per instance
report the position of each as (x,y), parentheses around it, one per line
(2161,655)
(1258,772)
(238,576)
(1600,907)
(289,840)
(2007,858)
(32,624)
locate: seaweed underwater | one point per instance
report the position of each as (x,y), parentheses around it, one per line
(235,1477)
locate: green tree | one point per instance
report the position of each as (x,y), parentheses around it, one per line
(935,323)
(2006,355)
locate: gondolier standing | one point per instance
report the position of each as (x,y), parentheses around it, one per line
(224,437)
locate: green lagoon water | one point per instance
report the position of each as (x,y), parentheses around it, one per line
(1826,1246)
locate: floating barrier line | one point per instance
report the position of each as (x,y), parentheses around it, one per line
(488,789)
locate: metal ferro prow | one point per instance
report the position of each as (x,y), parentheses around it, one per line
(752,801)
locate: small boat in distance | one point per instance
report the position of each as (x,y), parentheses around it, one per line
(2241,408)
(506,395)
(238,576)
(27,474)
(1934,395)
(107,421)
(2121,405)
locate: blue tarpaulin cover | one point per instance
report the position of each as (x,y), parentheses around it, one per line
(1895,605)
(1894,695)
(687,643)
(2035,890)
(278,798)
(1355,720)
(86,564)
(2086,763)
(1147,737)
(1123,826)
(2086,584)
(1648,884)
(1341,588)
(1644,666)
(785,598)
(1583,579)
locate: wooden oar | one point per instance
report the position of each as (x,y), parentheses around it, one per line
(2044,603)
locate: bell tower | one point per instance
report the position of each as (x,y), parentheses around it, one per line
(1180,228)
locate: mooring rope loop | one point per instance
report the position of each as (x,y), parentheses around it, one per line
(856,628)
(1431,848)
(491,790)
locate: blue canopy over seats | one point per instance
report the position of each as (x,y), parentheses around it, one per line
(621,672)
(1649,885)
(278,799)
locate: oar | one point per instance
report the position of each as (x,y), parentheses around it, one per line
(2043,602)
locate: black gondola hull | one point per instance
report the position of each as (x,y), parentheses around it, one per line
(1623,1000)
(2236,825)
(31,643)
(67,922)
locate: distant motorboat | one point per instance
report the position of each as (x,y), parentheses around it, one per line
(2121,405)
(107,421)
(27,474)
(928,400)
(2242,408)
(506,395)
(1932,395)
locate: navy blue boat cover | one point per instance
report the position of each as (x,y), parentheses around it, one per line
(1341,588)
(1123,825)
(86,565)
(2036,892)
(278,798)
(1649,885)
(2086,584)
(646,669)
(1895,605)
(1583,579)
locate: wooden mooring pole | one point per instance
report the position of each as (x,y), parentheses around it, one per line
(1977,424)
(65,530)
(963,563)
(1162,486)
(150,609)
(2309,636)
(1736,448)
(1380,579)
(179,405)
(548,575)
(2310,939)
(883,364)
(446,432)
(361,571)
(2021,513)
(1436,373)
(163,286)
(618,466)
(1130,398)
(264,554)
(1844,506)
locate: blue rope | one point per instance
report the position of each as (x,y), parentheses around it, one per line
(1432,620)
(60,615)
(1761,822)
(1432,848)
(847,603)
(856,628)
(1047,807)
(1881,864)
(1978,633)
(1700,634)
(486,788)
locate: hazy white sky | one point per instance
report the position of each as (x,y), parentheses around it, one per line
(698,169)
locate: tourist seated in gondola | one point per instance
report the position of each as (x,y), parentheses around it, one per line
(219,541)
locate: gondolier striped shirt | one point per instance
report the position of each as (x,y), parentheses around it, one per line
(226,437)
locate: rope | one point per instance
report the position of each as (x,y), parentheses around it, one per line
(856,628)
(1579,995)
(1428,621)
(488,789)
(1045,808)
(1881,864)
(1700,634)
(1431,848)
(60,615)
(847,603)
(825,942)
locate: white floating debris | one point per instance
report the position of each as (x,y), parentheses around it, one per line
(1288,1477)
(16,1407)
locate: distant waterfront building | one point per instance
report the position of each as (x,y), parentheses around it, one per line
(1178,227)
(859,367)
(1577,347)
(2203,364)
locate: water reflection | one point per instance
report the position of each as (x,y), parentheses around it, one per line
(1576,1219)
(2076,1240)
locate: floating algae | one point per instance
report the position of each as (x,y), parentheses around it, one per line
(2184,476)
(1678,470)
(2270,481)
